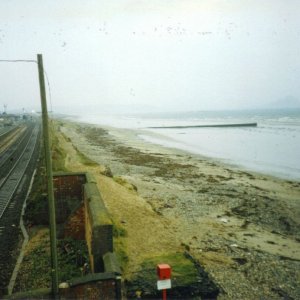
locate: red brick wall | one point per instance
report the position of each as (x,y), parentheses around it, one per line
(68,186)
(69,190)
(75,227)
(68,194)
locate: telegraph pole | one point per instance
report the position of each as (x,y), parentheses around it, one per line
(51,203)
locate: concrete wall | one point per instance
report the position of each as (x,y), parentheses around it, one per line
(98,225)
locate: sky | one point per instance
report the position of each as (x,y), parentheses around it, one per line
(139,56)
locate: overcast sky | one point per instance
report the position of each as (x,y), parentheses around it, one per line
(151,55)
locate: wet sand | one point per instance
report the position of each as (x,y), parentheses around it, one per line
(243,227)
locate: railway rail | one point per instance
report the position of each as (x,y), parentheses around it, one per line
(11,181)
(16,168)
(13,146)
(9,137)
(6,132)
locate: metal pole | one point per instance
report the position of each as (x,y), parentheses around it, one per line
(164,294)
(51,203)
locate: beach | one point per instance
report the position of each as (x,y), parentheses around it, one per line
(241,226)
(269,147)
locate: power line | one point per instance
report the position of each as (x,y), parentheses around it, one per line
(18,60)
(48,83)
(31,61)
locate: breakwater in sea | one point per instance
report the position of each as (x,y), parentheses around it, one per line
(207,126)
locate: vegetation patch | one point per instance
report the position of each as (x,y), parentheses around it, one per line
(72,257)
(120,251)
(58,156)
(119,231)
(188,279)
(35,272)
(119,235)
(36,212)
(84,159)
(120,180)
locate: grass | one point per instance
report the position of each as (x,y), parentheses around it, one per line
(37,205)
(58,154)
(184,277)
(119,231)
(84,159)
(125,183)
(183,270)
(120,249)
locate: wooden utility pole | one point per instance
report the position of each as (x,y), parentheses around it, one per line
(51,203)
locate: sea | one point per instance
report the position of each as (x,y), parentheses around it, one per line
(272,147)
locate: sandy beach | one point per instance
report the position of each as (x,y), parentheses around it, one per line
(242,227)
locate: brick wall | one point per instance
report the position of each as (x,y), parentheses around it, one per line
(68,194)
(68,185)
(75,225)
(91,221)
(85,216)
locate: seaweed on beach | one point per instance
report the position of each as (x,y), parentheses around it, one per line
(268,212)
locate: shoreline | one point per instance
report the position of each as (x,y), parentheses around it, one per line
(136,140)
(238,224)
(250,165)
(160,140)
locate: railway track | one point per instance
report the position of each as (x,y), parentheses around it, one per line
(19,164)
(6,131)
(12,151)
(16,168)
(9,137)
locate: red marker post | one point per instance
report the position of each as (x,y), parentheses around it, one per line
(164,278)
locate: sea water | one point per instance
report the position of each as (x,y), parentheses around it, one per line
(273,147)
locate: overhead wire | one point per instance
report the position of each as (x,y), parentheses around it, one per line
(32,61)
(18,60)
